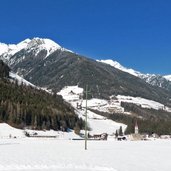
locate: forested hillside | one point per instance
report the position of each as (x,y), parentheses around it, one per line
(22,106)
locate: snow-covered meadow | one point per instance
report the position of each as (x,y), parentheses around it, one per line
(97,123)
(29,154)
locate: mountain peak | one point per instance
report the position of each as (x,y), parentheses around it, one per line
(42,41)
(37,44)
(42,44)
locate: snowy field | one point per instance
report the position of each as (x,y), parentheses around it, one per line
(24,154)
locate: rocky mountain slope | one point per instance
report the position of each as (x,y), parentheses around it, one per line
(46,64)
(153,79)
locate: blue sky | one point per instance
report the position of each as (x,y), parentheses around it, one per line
(136,33)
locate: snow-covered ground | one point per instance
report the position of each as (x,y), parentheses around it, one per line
(97,123)
(62,153)
(145,103)
(73,95)
(7,131)
(168,77)
(69,155)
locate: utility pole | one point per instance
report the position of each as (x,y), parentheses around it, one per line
(86,137)
(86,119)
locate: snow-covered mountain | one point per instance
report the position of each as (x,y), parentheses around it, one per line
(120,67)
(40,48)
(153,79)
(46,64)
(35,45)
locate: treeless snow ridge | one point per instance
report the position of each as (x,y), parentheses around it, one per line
(67,155)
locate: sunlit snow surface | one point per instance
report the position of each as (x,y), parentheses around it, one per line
(97,123)
(69,155)
(120,67)
(64,154)
(168,77)
(145,103)
(73,95)
(19,79)
(7,131)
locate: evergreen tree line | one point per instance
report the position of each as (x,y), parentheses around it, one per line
(25,106)
(146,113)
(22,106)
(4,70)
